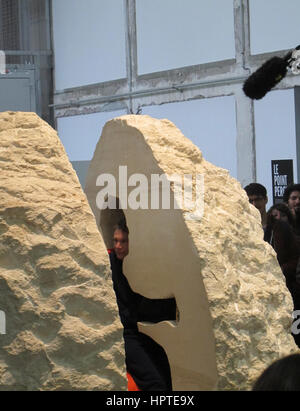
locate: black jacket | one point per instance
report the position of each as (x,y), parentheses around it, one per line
(134,307)
(146,360)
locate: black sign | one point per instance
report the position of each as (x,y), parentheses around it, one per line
(282,176)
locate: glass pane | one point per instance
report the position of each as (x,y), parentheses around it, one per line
(274,25)
(80,134)
(178,33)
(89,42)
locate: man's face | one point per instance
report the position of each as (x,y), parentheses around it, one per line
(121,244)
(258,201)
(294,202)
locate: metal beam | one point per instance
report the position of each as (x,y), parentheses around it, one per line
(131,48)
(28,52)
(245,130)
(217,76)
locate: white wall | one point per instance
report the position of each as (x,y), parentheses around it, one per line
(177,33)
(209,124)
(274,25)
(275,134)
(89,42)
(80,134)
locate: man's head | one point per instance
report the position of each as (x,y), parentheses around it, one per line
(291,197)
(121,240)
(257,195)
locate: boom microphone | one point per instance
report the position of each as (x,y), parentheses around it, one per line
(271,73)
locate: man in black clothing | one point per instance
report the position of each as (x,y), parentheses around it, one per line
(257,195)
(291,197)
(146,361)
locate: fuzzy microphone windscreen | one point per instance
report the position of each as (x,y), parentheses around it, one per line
(265,77)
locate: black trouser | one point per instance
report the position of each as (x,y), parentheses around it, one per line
(147,363)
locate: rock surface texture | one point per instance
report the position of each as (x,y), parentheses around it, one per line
(234,307)
(62,325)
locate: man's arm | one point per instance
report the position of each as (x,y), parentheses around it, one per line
(156,310)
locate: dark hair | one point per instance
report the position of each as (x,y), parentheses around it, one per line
(281,375)
(121,225)
(256,189)
(289,190)
(284,209)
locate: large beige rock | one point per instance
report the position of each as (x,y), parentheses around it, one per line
(62,325)
(235,310)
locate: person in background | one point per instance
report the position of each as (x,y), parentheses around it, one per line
(280,234)
(257,195)
(282,212)
(291,197)
(277,212)
(281,375)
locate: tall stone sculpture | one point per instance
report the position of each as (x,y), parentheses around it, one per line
(62,329)
(208,253)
